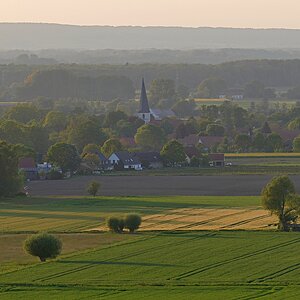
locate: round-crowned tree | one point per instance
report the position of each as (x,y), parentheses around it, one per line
(43,246)
(113,224)
(132,222)
(93,188)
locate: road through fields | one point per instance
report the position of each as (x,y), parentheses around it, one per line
(231,185)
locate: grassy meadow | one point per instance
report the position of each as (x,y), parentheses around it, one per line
(231,264)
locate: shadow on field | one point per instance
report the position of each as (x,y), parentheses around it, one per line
(91,262)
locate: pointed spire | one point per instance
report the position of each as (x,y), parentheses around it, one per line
(144,105)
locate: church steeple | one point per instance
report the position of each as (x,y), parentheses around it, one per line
(144,105)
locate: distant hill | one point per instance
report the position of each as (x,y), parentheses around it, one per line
(53,36)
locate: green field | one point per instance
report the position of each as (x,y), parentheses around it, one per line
(146,265)
(198,265)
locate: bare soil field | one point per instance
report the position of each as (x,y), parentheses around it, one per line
(232,185)
(208,219)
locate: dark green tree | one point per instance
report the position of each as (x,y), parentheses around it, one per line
(43,246)
(278,196)
(10,180)
(150,137)
(111,146)
(161,89)
(64,156)
(173,153)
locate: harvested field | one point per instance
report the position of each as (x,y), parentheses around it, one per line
(208,219)
(234,185)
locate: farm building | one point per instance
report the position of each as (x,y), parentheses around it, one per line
(28,166)
(216,159)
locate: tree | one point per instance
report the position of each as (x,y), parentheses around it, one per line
(112,118)
(90,149)
(82,131)
(150,137)
(296,144)
(274,142)
(23,113)
(93,188)
(55,121)
(64,156)
(115,224)
(111,146)
(173,153)
(215,130)
(92,160)
(184,108)
(43,246)
(10,180)
(278,196)
(259,142)
(161,89)
(242,142)
(211,88)
(132,222)
(294,124)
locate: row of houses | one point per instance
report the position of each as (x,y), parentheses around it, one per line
(121,160)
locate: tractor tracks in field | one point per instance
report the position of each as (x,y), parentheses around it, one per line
(119,258)
(228,261)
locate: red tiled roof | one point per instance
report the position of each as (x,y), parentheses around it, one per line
(27,163)
(216,156)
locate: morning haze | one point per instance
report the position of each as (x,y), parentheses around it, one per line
(189,13)
(149,149)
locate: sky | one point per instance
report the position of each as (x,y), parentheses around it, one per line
(187,13)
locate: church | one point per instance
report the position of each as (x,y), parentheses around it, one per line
(144,111)
(147,114)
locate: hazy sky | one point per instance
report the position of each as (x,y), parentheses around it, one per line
(226,13)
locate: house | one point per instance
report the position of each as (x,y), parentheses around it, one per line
(28,166)
(150,160)
(216,159)
(209,142)
(125,160)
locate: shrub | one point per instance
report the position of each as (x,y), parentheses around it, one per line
(115,224)
(132,222)
(54,175)
(93,188)
(43,245)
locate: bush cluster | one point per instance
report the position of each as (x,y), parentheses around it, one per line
(131,222)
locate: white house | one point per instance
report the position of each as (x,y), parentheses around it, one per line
(125,160)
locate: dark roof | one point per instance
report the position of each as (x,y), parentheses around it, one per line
(210,141)
(127,158)
(27,163)
(192,151)
(148,156)
(216,156)
(190,140)
(144,105)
